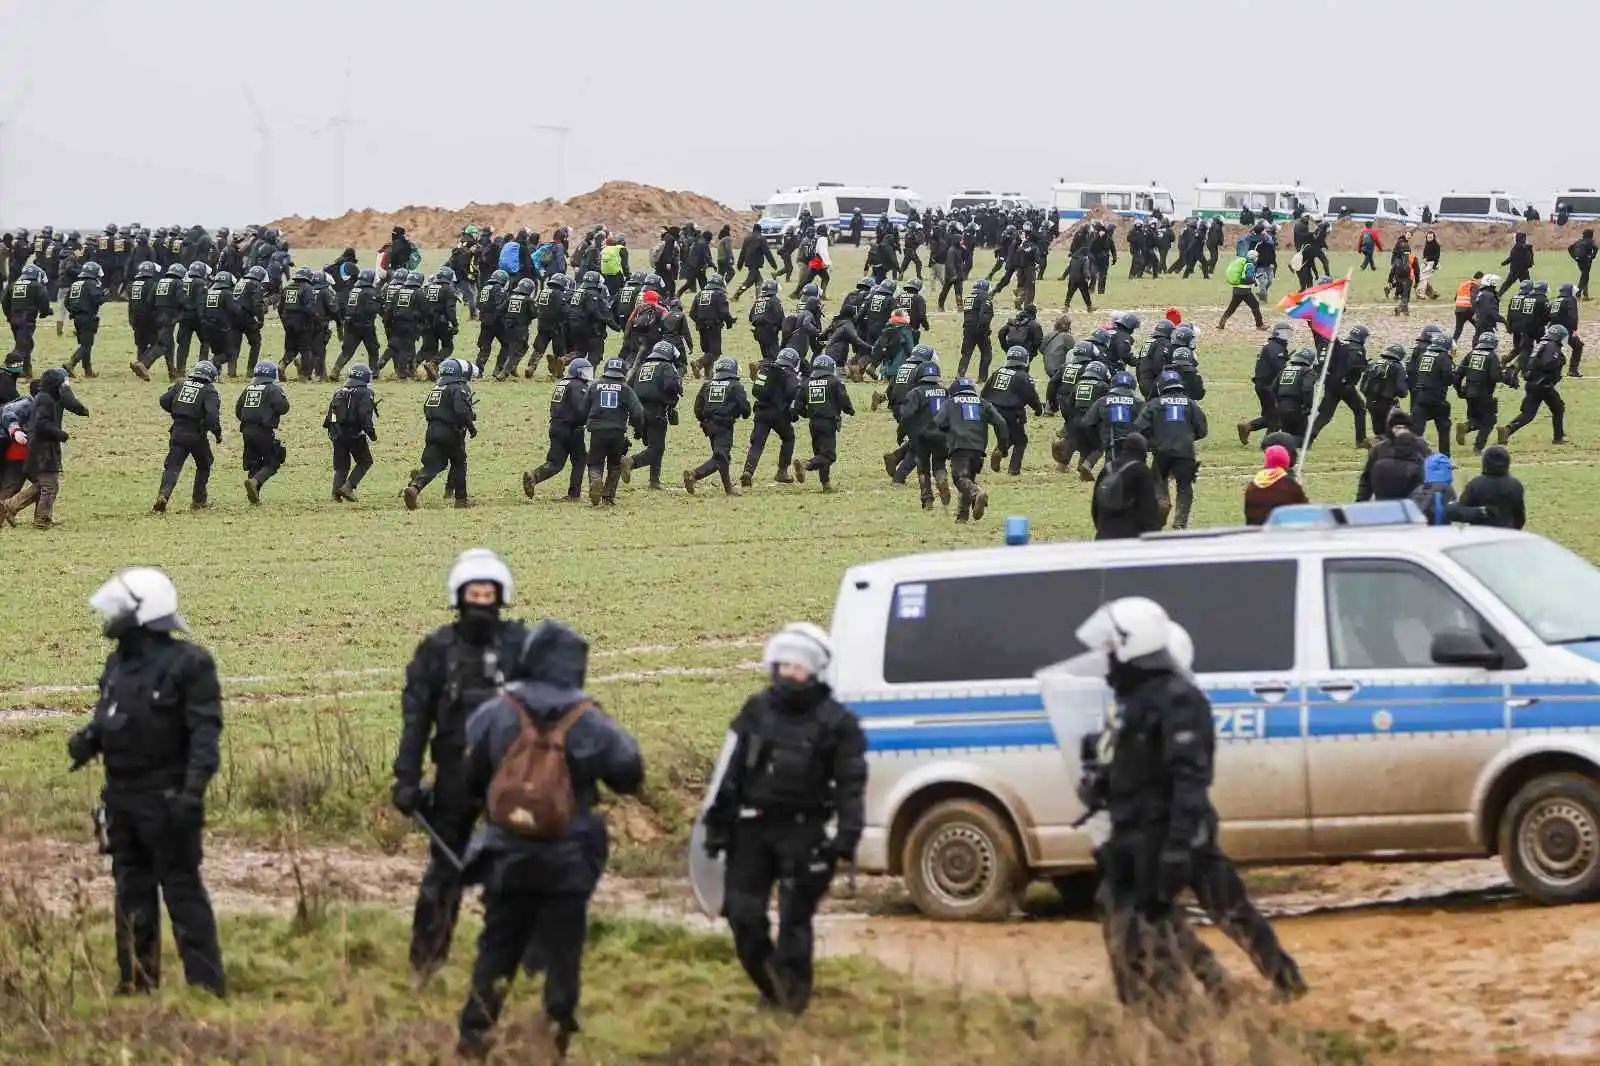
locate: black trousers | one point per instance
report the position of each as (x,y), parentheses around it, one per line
(931,458)
(512,348)
(180,449)
(1482,414)
(1247,298)
(452,815)
(357,335)
(1181,469)
(263,454)
(566,443)
(655,445)
(720,434)
(710,343)
(152,859)
(1335,394)
(22,342)
(440,452)
(980,340)
(251,332)
(760,428)
(1268,418)
(346,449)
(1076,288)
(607,448)
(188,330)
(1017,423)
(223,344)
(781,853)
(297,349)
(551,335)
(965,465)
(488,333)
(950,282)
(1462,318)
(84,327)
(518,920)
(1540,396)
(767,342)
(402,348)
(1436,412)
(824,447)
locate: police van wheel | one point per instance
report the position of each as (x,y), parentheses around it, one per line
(1550,839)
(961,863)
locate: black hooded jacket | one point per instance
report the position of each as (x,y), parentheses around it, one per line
(1497,491)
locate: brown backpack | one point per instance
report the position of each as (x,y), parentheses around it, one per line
(531,791)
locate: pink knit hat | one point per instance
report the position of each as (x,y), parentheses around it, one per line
(1277,457)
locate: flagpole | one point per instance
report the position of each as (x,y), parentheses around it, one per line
(1316,393)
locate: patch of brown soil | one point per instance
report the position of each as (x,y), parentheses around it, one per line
(636,211)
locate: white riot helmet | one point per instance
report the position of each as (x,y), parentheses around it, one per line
(138,597)
(479,564)
(1127,629)
(1181,647)
(799,644)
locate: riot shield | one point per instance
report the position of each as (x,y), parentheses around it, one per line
(705,873)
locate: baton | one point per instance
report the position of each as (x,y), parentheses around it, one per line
(438,841)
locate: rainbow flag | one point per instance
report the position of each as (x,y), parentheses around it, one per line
(1319,305)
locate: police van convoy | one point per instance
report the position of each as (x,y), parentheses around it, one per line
(1074,199)
(1381,205)
(1492,206)
(1390,692)
(1006,201)
(1222,199)
(831,204)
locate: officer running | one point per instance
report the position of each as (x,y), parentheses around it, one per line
(569,413)
(258,409)
(196,410)
(451,420)
(719,405)
(352,412)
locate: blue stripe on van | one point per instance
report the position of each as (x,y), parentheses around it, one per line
(1033,734)
(1558,714)
(1450,717)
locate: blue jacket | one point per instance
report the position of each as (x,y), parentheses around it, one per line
(598,750)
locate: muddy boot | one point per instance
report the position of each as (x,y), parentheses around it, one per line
(1084,473)
(1461,433)
(800,471)
(1501,435)
(689,481)
(877,400)
(139,371)
(160,506)
(91,374)
(746,480)
(60,325)
(252,490)
(980,503)
(1244,433)
(410,494)
(627,469)
(595,488)
(783,477)
(942,483)
(889,463)
(464,503)
(529,480)
(1058,452)
(199,505)
(925,489)
(995,458)
(347,493)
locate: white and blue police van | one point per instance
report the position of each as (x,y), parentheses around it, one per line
(1382,690)
(976,198)
(1583,204)
(1492,206)
(1072,200)
(1380,205)
(832,204)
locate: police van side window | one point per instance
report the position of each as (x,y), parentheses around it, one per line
(1007,626)
(1383,615)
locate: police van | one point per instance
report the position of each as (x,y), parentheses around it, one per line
(1492,206)
(1382,205)
(1075,199)
(831,204)
(1382,691)
(1006,201)
(1222,199)
(1583,205)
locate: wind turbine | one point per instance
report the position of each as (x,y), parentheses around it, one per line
(339,124)
(263,155)
(6,117)
(561,132)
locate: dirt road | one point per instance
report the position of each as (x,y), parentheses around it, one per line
(1441,955)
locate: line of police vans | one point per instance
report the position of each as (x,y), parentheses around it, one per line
(1382,690)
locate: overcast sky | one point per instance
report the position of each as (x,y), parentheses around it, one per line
(734,99)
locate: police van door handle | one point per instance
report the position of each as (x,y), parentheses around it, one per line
(1272,692)
(1339,690)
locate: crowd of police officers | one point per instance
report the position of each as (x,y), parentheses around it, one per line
(185,287)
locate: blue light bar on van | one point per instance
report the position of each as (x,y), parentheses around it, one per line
(1341,515)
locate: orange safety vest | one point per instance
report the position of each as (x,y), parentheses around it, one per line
(1464,293)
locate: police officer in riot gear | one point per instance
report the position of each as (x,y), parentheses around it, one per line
(773,387)
(569,413)
(965,422)
(766,318)
(221,318)
(1476,378)
(258,409)
(296,311)
(1540,387)
(1172,421)
(718,406)
(24,301)
(155,728)
(352,412)
(253,306)
(1348,363)
(84,299)
(613,408)
(361,306)
(1293,391)
(196,410)
(798,762)
(451,420)
(1431,382)
(1012,392)
(659,387)
(824,401)
(551,310)
(454,669)
(1151,770)
(976,315)
(1270,361)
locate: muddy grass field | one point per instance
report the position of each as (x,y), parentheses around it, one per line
(312,609)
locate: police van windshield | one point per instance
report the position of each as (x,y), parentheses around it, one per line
(1356,205)
(867,205)
(1580,205)
(781,211)
(1463,205)
(1554,591)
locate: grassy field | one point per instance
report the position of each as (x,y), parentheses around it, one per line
(312,609)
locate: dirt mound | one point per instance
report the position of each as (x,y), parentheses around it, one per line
(637,211)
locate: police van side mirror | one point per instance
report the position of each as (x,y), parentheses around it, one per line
(1463,647)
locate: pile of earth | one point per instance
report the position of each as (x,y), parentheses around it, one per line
(639,212)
